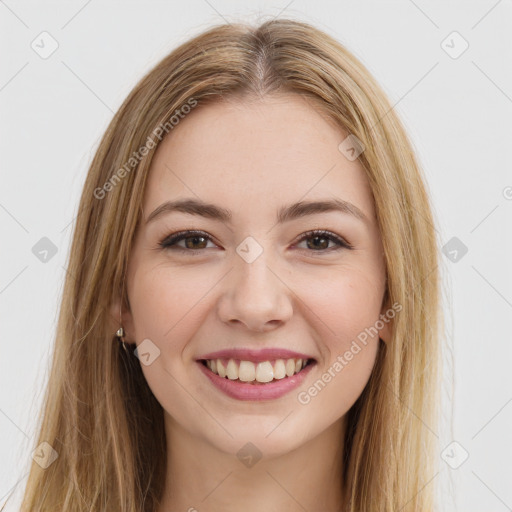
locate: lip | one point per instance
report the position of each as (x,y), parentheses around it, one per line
(256,392)
(256,356)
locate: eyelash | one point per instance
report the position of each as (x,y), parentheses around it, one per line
(170,241)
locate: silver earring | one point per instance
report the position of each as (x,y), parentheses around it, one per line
(120,337)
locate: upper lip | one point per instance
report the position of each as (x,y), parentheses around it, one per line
(247,354)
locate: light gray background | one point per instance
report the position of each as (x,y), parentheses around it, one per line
(457,112)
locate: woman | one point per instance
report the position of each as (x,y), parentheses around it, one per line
(250,315)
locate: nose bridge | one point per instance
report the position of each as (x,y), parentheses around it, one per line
(256,277)
(254,295)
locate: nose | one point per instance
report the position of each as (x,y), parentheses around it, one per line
(256,296)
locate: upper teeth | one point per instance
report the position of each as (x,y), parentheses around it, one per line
(264,371)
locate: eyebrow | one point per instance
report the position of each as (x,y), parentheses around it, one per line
(293,211)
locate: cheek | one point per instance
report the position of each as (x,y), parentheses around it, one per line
(346,300)
(346,307)
(167,309)
(166,301)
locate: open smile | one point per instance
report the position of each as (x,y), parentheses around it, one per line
(262,380)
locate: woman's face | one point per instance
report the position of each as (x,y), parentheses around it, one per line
(251,280)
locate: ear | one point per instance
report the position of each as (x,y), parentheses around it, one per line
(125,321)
(387,330)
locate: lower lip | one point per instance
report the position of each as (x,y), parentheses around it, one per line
(245,391)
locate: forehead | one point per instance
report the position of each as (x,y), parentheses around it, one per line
(247,155)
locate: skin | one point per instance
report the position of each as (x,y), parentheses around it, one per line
(252,157)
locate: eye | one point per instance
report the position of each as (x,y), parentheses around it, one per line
(321,239)
(195,241)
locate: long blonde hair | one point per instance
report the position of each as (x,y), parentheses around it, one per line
(99,414)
